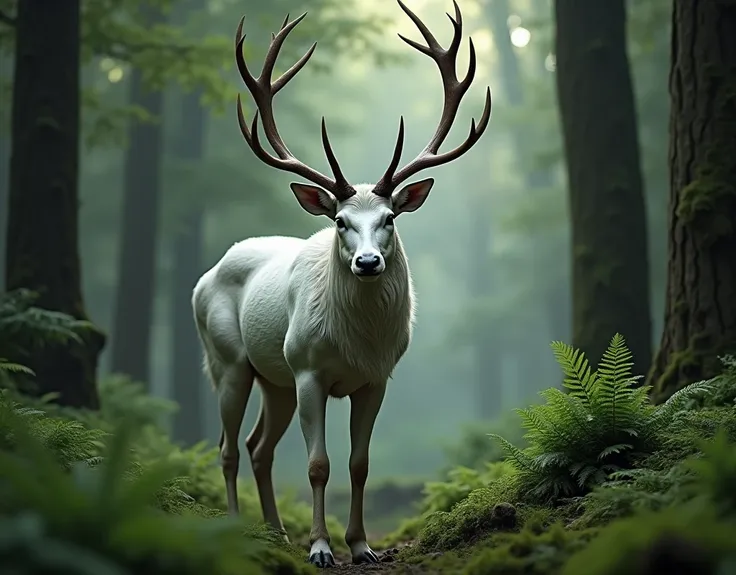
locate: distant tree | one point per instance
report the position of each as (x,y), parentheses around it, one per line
(187,245)
(139,228)
(42,242)
(188,248)
(610,265)
(700,311)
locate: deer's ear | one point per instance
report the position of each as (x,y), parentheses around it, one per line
(314,199)
(411,197)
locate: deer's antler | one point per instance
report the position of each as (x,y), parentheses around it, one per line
(263,89)
(446,60)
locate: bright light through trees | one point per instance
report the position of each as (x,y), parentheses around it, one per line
(520,37)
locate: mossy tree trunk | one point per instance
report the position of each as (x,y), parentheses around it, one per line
(133,316)
(186,371)
(42,241)
(700,308)
(610,267)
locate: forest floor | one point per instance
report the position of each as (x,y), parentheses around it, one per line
(389,563)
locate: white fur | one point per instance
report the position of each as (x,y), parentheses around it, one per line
(293,314)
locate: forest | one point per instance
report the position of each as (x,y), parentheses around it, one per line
(566,403)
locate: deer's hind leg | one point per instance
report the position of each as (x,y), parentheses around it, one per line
(233,391)
(277,410)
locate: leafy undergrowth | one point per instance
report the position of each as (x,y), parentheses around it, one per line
(81,493)
(79,500)
(606,484)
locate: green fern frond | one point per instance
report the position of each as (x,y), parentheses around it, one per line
(12,367)
(677,401)
(614,449)
(579,378)
(517,457)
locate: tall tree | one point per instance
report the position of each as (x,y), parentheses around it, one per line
(42,242)
(6,64)
(700,309)
(186,371)
(610,266)
(141,198)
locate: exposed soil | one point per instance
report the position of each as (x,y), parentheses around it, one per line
(388,564)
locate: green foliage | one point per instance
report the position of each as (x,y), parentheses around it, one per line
(602,425)
(475,449)
(724,388)
(103,514)
(693,539)
(198,477)
(461,481)
(473,518)
(530,552)
(25,328)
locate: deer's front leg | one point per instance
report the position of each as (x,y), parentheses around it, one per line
(364,406)
(311,405)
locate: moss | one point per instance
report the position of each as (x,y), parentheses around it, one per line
(528,552)
(673,540)
(484,512)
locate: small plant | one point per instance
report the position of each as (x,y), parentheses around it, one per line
(461,481)
(25,328)
(602,425)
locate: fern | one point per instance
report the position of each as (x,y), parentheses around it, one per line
(24,328)
(603,425)
(103,519)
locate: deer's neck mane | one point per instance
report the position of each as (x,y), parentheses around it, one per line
(369,322)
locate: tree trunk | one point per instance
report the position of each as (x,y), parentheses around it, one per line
(487,353)
(42,242)
(610,266)
(5,115)
(186,370)
(137,264)
(700,309)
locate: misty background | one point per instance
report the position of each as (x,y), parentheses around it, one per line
(168,185)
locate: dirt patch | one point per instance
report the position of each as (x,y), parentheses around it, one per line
(389,563)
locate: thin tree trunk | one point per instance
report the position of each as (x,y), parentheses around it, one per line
(137,264)
(700,312)
(42,242)
(610,264)
(186,371)
(487,354)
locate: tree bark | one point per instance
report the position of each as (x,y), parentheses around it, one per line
(137,264)
(186,371)
(42,240)
(5,111)
(610,267)
(700,308)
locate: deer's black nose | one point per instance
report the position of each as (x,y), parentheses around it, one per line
(367,263)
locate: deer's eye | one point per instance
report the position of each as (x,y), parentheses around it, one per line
(340,224)
(389,220)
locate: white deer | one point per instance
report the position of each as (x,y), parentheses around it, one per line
(329,316)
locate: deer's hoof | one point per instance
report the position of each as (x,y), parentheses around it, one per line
(322,559)
(367,556)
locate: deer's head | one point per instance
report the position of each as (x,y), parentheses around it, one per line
(363,214)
